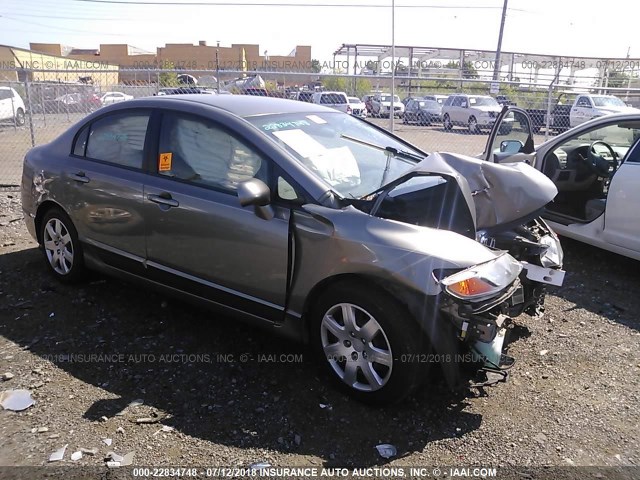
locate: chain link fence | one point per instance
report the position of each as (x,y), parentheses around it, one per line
(436,114)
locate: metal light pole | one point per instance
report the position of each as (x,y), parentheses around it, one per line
(496,67)
(393,63)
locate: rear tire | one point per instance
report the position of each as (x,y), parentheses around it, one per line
(368,343)
(473,125)
(19,118)
(446,123)
(61,247)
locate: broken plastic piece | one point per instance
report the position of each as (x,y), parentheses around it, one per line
(16,400)
(259,465)
(127,459)
(58,454)
(147,420)
(386,450)
(136,403)
(107,441)
(75,456)
(114,457)
(326,406)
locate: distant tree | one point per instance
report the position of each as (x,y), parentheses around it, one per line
(468,70)
(618,79)
(168,78)
(316,66)
(335,83)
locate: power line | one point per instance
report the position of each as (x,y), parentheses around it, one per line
(265,4)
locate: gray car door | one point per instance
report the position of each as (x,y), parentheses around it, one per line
(198,236)
(103,180)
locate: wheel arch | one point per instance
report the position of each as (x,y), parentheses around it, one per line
(42,210)
(411,300)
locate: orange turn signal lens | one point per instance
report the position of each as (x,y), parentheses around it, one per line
(470,287)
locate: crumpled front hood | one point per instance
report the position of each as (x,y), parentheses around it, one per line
(502,192)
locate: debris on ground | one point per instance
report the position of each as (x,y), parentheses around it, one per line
(259,465)
(386,450)
(58,454)
(75,456)
(16,400)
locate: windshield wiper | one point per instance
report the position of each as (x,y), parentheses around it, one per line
(401,154)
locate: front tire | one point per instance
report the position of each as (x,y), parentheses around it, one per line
(368,343)
(61,247)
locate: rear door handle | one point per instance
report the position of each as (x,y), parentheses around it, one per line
(163,198)
(80,177)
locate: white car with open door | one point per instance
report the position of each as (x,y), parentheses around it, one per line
(596,169)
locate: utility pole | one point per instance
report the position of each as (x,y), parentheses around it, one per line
(393,64)
(496,68)
(218,67)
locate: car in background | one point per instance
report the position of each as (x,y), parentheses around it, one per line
(436,98)
(505,100)
(366,99)
(304,96)
(358,108)
(12,106)
(586,107)
(184,91)
(114,97)
(406,100)
(596,170)
(79,102)
(422,112)
(382,105)
(301,219)
(335,100)
(472,111)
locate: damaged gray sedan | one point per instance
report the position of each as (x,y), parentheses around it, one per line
(303,220)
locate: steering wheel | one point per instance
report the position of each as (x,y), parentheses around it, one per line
(598,164)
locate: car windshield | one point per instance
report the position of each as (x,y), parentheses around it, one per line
(324,143)
(483,102)
(430,104)
(387,98)
(608,102)
(354,100)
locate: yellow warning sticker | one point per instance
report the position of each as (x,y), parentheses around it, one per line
(164,163)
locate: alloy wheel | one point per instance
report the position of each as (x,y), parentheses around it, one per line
(356,347)
(58,246)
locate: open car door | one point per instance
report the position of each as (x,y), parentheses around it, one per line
(511,138)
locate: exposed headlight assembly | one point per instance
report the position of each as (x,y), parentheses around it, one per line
(553,255)
(483,281)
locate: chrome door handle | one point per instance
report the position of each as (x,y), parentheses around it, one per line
(80,177)
(163,199)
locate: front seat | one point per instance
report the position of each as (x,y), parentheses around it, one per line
(551,166)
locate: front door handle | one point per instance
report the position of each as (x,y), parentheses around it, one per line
(163,198)
(80,177)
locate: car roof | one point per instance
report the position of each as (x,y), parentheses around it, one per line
(240,105)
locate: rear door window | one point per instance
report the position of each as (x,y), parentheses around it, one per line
(117,138)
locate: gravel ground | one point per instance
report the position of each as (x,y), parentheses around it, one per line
(231,395)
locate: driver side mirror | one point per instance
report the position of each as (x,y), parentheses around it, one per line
(255,192)
(511,146)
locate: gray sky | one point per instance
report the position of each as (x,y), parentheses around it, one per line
(586,28)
